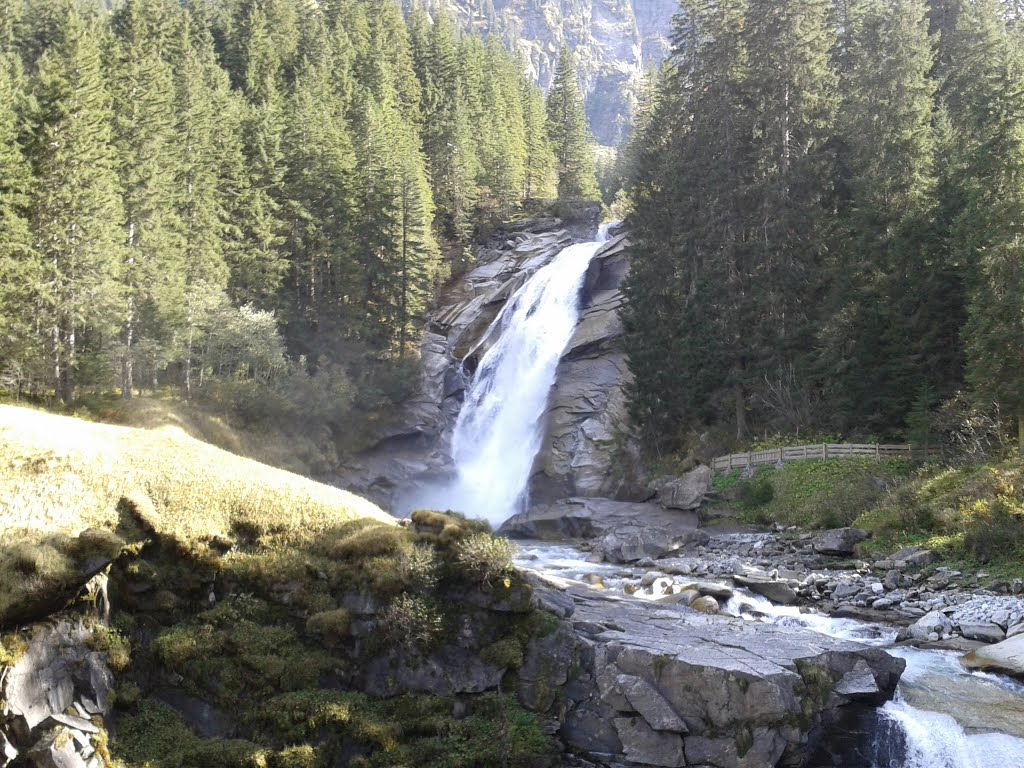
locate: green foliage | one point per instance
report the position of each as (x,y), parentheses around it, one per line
(820,494)
(755,492)
(804,262)
(232,653)
(973,512)
(247,201)
(484,558)
(413,622)
(115,645)
(567,132)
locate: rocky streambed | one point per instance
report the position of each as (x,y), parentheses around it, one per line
(951,630)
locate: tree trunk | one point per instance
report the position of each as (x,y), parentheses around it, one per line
(1020,432)
(741,412)
(127,365)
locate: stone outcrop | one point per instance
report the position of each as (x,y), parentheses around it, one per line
(586,439)
(52,698)
(663,685)
(624,532)
(839,541)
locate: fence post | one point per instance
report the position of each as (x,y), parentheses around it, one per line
(824,450)
(878,452)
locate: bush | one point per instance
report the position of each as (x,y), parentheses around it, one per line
(333,626)
(755,492)
(482,558)
(413,622)
(828,494)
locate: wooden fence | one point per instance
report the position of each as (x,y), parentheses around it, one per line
(818,451)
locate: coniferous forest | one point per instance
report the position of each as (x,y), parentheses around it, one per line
(251,200)
(829,210)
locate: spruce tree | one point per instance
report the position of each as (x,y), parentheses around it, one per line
(539,161)
(895,332)
(568,134)
(77,209)
(20,277)
(324,281)
(146,145)
(985,99)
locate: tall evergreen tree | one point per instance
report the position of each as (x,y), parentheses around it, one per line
(985,97)
(19,270)
(77,208)
(896,323)
(146,144)
(568,134)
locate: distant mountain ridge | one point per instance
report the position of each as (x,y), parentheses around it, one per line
(615,42)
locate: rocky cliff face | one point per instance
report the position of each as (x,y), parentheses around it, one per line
(615,42)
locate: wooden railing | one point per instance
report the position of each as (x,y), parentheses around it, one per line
(818,451)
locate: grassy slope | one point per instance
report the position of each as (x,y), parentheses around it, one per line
(63,475)
(60,477)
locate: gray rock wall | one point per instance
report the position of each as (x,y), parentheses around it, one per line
(587,436)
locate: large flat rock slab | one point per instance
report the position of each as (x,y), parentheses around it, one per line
(664,685)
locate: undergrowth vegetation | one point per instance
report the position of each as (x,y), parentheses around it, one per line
(971,514)
(813,494)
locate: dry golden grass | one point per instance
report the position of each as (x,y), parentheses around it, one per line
(60,475)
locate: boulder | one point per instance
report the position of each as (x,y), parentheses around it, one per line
(58,749)
(839,541)
(934,622)
(776,591)
(705,604)
(642,744)
(686,492)
(986,632)
(1006,657)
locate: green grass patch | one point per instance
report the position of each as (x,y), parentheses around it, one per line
(817,494)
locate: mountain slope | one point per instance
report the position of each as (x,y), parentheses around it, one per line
(615,42)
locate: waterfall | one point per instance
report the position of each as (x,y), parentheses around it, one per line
(500,426)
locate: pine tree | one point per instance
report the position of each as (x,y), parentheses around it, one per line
(567,132)
(324,280)
(792,87)
(19,269)
(892,340)
(539,161)
(447,134)
(145,141)
(985,70)
(77,208)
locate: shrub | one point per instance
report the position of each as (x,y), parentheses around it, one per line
(333,626)
(414,622)
(114,644)
(755,492)
(419,567)
(482,558)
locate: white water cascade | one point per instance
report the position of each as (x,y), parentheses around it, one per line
(499,428)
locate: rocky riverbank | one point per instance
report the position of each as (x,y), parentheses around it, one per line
(668,558)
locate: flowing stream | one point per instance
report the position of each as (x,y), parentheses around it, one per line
(500,426)
(942,716)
